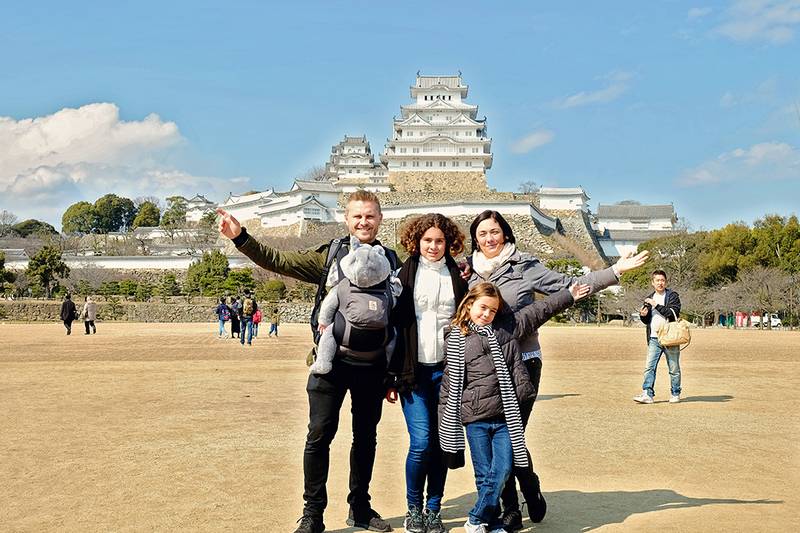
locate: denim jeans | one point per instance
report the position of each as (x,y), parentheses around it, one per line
(492,458)
(246,326)
(255,329)
(273,328)
(424,460)
(221,328)
(673,354)
(326,394)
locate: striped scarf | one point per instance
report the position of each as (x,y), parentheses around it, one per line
(451,431)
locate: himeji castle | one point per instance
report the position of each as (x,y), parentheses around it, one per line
(437,136)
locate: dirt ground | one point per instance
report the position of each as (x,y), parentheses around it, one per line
(164,427)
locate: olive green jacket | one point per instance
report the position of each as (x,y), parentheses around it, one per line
(306,265)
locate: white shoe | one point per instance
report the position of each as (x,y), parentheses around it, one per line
(498,530)
(472,528)
(643,398)
(675,399)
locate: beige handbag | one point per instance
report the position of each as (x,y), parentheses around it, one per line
(674,333)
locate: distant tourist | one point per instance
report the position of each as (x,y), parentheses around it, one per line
(236,310)
(68,313)
(274,321)
(223,313)
(661,306)
(326,393)
(89,314)
(248,309)
(484,386)
(432,289)
(256,321)
(518,275)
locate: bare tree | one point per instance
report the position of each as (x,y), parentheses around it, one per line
(315,173)
(528,187)
(7,219)
(764,290)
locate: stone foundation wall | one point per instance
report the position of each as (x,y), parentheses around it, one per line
(48,311)
(422,181)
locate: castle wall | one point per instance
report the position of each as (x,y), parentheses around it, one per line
(421,181)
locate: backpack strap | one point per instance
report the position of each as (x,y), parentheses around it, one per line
(335,247)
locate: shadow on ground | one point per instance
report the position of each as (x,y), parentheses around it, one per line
(713,399)
(572,511)
(543,397)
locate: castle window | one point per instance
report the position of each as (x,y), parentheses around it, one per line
(468,164)
(415,164)
(402,163)
(428,163)
(402,150)
(415,150)
(455,163)
(442,163)
(462,150)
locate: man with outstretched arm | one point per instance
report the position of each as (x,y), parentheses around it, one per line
(326,392)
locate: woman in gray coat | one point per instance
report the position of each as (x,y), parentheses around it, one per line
(518,275)
(89,314)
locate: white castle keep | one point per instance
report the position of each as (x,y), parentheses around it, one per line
(439,131)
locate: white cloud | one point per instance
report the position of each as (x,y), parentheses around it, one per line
(616,84)
(772,21)
(532,141)
(698,12)
(47,163)
(750,166)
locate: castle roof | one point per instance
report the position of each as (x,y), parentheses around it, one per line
(632,234)
(642,212)
(563,191)
(312,186)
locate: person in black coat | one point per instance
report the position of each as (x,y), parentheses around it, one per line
(432,289)
(68,313)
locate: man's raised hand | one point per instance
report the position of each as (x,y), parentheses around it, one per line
(228,225)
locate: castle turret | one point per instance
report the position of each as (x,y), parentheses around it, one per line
(438,143)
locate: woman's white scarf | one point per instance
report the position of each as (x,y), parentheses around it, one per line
(485,267)
(451,431)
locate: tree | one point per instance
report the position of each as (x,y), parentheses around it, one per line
(79,218)
(6,277)
(175,213)
(208,220)
(168,286)
(32,226)
(238,280)
(764,290)
(271,290)
(728,250)
(777,242)
(143,291)
(7,220)
(45,267)
(114,213)
(528,187)
(149,215)
(315,173)
(677,254)
(207,276)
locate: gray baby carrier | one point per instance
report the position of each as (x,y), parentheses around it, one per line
(361,325)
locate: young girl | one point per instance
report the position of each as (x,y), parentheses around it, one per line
(484,383)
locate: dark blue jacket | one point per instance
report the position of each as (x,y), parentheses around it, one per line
(671,303)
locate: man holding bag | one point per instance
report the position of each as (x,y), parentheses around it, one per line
(661,307)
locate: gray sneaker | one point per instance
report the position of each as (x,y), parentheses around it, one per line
(414,521)
(434,521)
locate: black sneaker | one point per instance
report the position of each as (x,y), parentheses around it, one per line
(434,521)
(414,521)
(310,524)
(369,520)
(537,506)
(512,520)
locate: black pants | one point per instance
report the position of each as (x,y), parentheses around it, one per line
(68,325)
(325,397)
(528,480)
(89,323)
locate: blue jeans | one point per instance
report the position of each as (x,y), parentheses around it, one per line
(673,354)
(246,325)
(222,328)
(492,458)
(273,328)
(255,329)
(424,460)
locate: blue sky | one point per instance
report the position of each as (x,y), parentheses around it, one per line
(694,103)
